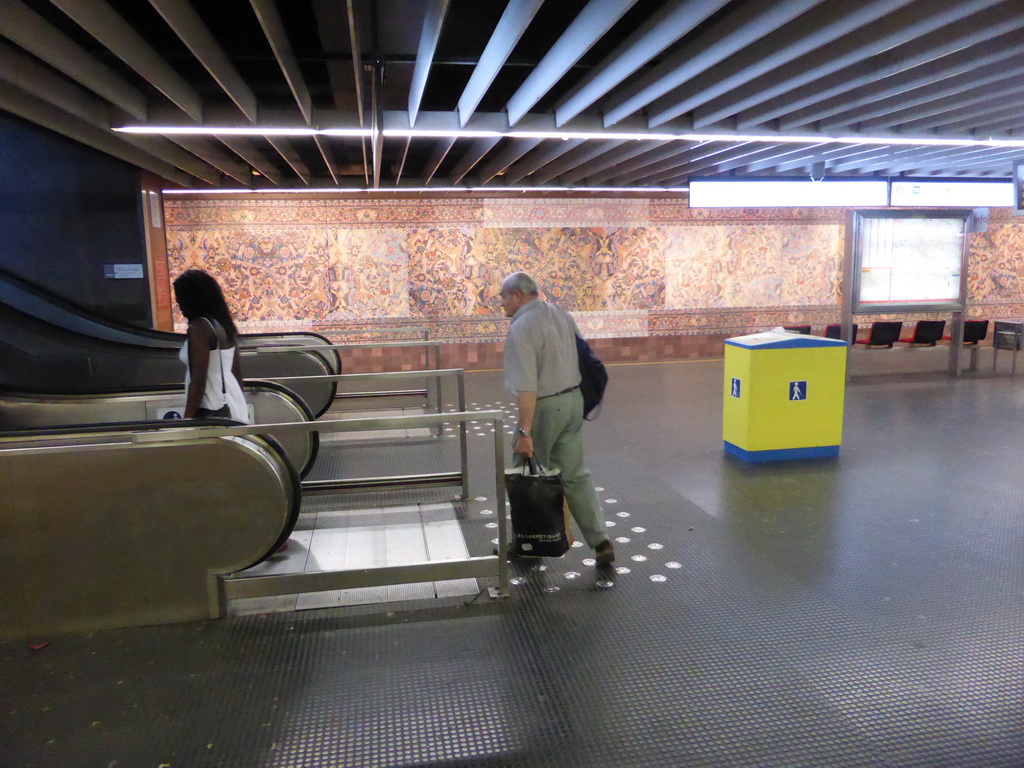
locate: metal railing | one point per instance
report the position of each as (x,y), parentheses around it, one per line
(438,374)
(428,348)
(228,587)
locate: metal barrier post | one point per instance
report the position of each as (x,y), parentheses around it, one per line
(499,507)
(463,446)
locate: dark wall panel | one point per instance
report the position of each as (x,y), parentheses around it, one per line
(67,211)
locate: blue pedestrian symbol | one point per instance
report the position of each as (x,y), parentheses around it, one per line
(735,387)
(798,390)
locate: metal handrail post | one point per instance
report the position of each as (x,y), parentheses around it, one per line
(499,505)
(463,444)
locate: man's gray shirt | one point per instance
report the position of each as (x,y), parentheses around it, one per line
(540,350)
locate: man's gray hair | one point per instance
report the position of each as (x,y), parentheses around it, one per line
(520,281)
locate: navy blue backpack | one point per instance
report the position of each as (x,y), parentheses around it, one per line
(594,377)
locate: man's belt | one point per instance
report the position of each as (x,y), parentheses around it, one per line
(565,391)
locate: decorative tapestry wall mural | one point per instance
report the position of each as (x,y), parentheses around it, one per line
(625,268)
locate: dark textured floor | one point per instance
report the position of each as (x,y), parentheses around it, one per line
(861,611)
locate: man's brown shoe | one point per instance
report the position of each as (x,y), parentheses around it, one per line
(605,554)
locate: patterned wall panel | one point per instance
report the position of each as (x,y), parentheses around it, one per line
(626,267)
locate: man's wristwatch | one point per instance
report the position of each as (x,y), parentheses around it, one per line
(523,432)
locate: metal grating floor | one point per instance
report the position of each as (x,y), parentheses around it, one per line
(862,611)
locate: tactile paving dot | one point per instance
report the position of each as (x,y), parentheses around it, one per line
(638,529)
(479,498)
(552,589)
(589,561)
(577,544)
(655,546)
(621,569)
(490,525)
(486,511)
(609,523)
(572,575)
(517,581)
(673,564)
(598,488)
(622,540)
(638,558)
(622,514)
(658,577)
(611,501)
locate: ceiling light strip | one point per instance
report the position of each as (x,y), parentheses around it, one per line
(370,190)
(170,130)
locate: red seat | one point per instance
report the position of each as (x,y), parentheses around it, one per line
(884,333)
(974,331)
(926,333)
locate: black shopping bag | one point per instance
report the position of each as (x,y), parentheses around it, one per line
(536,508)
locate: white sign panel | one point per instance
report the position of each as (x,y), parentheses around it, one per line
(955,194)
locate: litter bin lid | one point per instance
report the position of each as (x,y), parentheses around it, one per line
(782,340)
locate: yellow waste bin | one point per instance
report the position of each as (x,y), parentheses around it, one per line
(783,396)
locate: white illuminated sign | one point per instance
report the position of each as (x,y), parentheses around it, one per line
(956,194)
(786,194)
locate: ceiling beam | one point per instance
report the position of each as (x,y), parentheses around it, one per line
(687,169)
(733,34)
(514,150)
(441,148)
(906,25)
(548,152)
(570,160)
(286,149)
(687,155)
(273,28)
(324,146)
(471,157)
(35,110)
(851,94)
(430,33)
(511,26)
(811,33)
(825,156)
(331,25)
(102,22)
(246,149)
(358,71)
(24,72)
(187,25)
(211,153)
(614,159)
(670,23)
(967,101)
(26,28)
(586,29)
(401,163)
(806,153)
(377,121)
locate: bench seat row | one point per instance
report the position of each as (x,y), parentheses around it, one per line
(885,333)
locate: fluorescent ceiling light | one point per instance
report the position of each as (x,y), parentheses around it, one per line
(416,133)
(958,194)
(427,133)
(198,130)
(392,190)
(782,194)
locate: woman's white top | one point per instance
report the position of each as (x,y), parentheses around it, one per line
(215,397)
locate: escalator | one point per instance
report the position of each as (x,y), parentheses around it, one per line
(49,345)
(269,403)
(112,526)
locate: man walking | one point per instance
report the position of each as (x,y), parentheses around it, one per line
(542,369)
